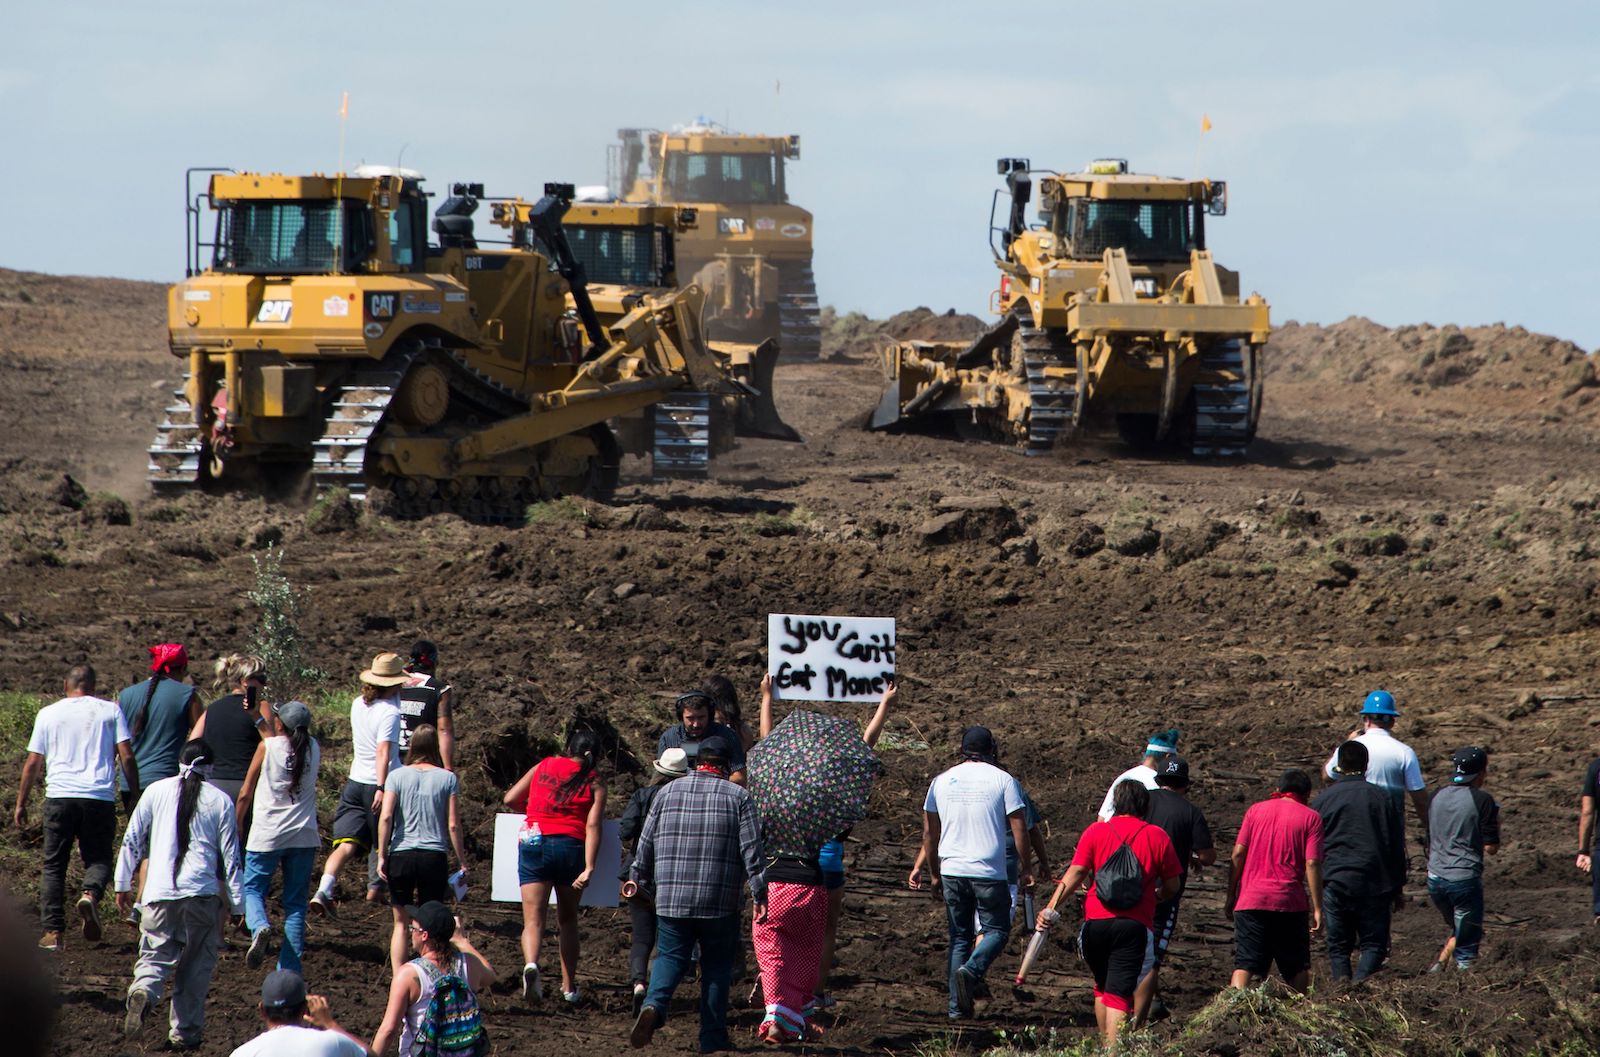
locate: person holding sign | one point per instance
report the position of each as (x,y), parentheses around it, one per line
(566,805)
(695,725)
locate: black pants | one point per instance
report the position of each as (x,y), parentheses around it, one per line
(1350,919)
(644,942)
(90,824)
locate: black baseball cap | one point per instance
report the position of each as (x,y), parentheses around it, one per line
(715,745)
(283,989)
(1470,762)
(434,918)
(978,741)
(1174,770)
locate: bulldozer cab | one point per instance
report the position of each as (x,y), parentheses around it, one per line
(373,221)
(702,162)
(617,244)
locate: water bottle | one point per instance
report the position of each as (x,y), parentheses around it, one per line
(530,835)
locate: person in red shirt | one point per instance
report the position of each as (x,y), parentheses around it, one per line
(559,844)
(1119,944)
(1275,887)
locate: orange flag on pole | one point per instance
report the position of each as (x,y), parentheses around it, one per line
(344,106)
(1205,123)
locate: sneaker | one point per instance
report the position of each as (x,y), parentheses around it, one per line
(644,1027)
(532,990)
(1463,966)
(133,916)
(1158,1010)
(138,1006)
(50,941)
(638,1000)
(257,953)
(324,905)
(572,997)
(91,919)
(964,982)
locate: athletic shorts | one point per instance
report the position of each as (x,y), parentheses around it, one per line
(353,820)
(418,876)
(552,861)
(1262,937)
(1166,923)
(1120,953)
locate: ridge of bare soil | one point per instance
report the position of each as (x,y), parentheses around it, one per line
(1435,537)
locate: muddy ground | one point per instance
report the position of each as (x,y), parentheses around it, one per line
(1422,512)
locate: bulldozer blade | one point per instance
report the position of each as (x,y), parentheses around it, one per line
(758,415)
(887,412)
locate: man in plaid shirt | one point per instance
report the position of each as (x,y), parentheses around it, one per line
(700,842)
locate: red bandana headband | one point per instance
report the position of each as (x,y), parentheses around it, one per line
(1296,797)
(167,657)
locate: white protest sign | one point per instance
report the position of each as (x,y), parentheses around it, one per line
(603,889)
(812,658)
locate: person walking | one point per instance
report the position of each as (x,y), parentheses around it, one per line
(279,796)
(434,995)
(1118,937)
(76,743)
(1391,764)
(565,807)
(1463,827)
(1185,825)
(700,844)
(375,751)
(1275,887)
(298,1024)
(235,723)
(673,764)
(1588,839)
(964,821)
(160,712)
(1363,865)
(694,711)
(185,828)
(1157,748)
(428,701)
(420,824)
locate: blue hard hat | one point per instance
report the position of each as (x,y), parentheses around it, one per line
(1379,703)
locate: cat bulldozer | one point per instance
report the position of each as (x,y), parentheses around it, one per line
(1113,314)
(326,336)
(751,250)
(629,251)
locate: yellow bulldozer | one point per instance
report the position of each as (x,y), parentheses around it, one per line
(1112,314)
(325,335)
(751,250)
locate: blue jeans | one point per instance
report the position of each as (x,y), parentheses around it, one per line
(1460,903)
(1352,919)
(991,901)
(259,866)
(718,939)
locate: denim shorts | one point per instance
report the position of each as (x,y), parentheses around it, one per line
(553,861)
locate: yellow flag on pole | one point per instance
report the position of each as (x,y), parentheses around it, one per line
(1205,123)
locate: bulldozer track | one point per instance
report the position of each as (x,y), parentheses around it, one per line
(1049,360)
(800,315)
(1223,418)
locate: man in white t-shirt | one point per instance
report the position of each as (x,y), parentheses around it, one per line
(1391,763)
(964,822)
(374,751)
(1157,750)
(298,1025)
(76,742)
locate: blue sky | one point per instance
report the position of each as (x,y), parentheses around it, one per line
(1410,162)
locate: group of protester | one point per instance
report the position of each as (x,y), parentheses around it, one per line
(1335,865)
(222,800)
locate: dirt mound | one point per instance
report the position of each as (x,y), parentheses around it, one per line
(858,337)
(1073,604)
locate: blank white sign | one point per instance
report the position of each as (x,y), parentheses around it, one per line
(603,889)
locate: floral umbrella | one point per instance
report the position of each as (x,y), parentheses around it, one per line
(810,779)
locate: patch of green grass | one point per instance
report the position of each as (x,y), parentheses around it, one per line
(563,511)
(17,710)
(894,741)
(790,523)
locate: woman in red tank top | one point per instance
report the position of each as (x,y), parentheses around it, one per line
(560,841)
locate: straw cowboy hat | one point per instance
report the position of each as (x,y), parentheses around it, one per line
(388,669)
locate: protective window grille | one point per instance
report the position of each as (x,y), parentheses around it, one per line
(1147,231)
(289,237)
(624,256)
